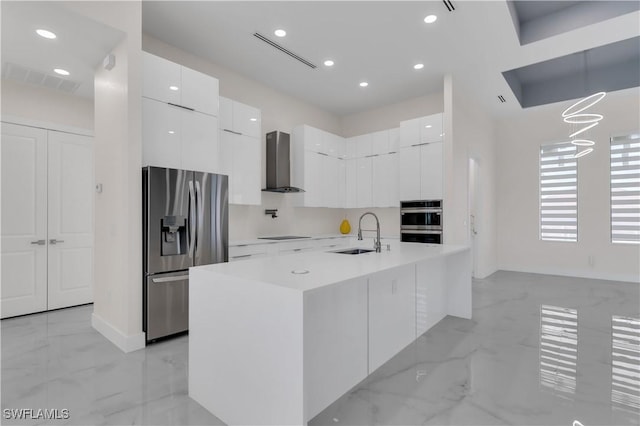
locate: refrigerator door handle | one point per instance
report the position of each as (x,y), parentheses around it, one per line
(192,219)
(200,214)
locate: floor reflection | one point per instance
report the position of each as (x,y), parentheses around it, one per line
(625,362)
(558,349)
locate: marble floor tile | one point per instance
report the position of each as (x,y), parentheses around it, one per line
(540,350)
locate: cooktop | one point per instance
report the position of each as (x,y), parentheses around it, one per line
(282,237)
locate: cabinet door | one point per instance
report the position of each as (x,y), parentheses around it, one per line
(199,142)
(392,313)
(385,180)
(24,220)
(363,177)
(351,183)
(431,294)
(351,148)
(199,91)
(409,173)
(394,139)
(313,179)
(246,120)
(330,181)
(431,171)
(70,220)
(226,113)
(246,171)
(410,132)
(161,134)
(431,128)
(161,79)
(312,139)
(364,145)
(380,142)
(342,184)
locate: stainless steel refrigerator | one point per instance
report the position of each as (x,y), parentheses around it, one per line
(185,223)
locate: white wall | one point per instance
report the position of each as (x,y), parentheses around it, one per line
(519,140)
(44,105)
(118,153)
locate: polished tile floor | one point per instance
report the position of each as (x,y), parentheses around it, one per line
(540,350)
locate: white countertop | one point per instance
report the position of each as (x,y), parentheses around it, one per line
(326,268)
(254,241)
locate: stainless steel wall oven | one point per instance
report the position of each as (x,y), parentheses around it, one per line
(421,221)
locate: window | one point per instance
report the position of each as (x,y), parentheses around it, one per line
(558,192)
(625,189)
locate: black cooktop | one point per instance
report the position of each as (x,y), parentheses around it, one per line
(282,237)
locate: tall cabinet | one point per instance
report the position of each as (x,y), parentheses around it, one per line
(179,116)
(47,219)
(240,152)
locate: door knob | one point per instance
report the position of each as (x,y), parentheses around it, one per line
(39,242)
(54,241)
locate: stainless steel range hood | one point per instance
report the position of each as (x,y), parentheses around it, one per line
(279,163)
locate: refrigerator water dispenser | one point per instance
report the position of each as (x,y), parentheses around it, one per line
(174,235)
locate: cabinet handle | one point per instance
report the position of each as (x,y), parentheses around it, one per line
(322,153)
(231,131)
(372,155)
(242,255)
(54,241)
(180,106)
(170,279)
(39,242)
(420,144)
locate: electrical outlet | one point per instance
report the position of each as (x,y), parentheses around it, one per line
(591,260)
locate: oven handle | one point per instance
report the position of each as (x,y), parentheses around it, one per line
(419,210)
(420,232)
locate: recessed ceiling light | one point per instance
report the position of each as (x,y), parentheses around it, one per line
(364,84)
(253,119)
(328,63)
(418,66)
(61,71)
(280,33)
(428,126)
(46,34)
(430,19)
(171,132)
(174,88)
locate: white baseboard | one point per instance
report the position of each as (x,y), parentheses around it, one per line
(125,343)
(596,275)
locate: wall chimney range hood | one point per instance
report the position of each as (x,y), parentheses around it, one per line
(279,163)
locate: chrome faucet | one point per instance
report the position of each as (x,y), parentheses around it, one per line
(376,243)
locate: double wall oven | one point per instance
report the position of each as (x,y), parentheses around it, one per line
(421,221)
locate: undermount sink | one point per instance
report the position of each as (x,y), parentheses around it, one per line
(353,251)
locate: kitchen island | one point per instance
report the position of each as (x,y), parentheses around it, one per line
(275,340)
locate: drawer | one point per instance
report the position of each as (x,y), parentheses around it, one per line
(244,250)
(246,256)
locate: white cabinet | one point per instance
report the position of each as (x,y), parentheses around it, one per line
(364,145)
(394,139)
(421,172)
(351,183)
(380,142)
(47,220)
(178,138)
(364,195)
(236,117)
(392,313)
(168,82)
(245,252)
(421,130)
(240,151)
(385,181)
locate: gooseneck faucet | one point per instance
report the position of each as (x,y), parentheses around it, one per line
(376,243)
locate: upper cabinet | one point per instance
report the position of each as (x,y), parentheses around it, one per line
(236,117)
(241,151)
(421,130)
(166,81)
(179,116)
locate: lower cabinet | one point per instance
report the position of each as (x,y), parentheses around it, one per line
(392,314)
(431,294)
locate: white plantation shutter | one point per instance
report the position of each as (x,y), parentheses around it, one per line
(625,189)
(558,192)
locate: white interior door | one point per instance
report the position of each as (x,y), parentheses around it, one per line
(70,236)
(24,220)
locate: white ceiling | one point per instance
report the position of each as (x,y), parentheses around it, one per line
(377,41)
(80,46)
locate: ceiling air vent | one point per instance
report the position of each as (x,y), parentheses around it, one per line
(501,99)
(284,50)
(449,5)
(22,74)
